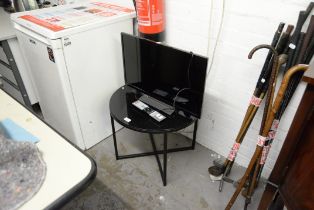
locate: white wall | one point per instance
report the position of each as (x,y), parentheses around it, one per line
(232,78)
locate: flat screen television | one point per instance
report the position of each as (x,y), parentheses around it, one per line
(173,76)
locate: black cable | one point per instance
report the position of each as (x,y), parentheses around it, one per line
(174,99)
(189,81)
(188,70)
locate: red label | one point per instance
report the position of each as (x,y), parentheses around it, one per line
(255,101)
(261,141)
(264,154)
(271,135)
(42,23)
(233,152)
(275,125)
(150,16)
(273,130)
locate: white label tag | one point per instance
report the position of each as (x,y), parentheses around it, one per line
(127,119)
(292,46)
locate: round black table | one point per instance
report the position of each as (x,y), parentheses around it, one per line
(125,113)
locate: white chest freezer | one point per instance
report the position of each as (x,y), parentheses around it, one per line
(74,52)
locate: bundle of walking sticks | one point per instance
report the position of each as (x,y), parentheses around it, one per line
(290,51)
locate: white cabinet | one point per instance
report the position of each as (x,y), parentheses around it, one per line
(76,71)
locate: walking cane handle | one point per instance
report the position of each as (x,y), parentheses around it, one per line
(251,53)
(280,94)
(284,84)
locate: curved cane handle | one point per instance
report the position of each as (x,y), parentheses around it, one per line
(276,58)
(284,83)
(272,80)
(280,94)
(261,46)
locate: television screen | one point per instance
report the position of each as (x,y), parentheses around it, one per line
(170,75)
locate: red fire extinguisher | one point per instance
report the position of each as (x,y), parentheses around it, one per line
(151,19)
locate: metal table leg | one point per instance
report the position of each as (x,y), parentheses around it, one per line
(194,134)
(114,138)
(163,171)
(165,160)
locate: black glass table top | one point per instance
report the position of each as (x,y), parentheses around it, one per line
(121,108)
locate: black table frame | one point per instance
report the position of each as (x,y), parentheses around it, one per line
(165,151)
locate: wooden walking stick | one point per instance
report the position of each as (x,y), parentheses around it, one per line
(280,48)
(270,95)
(303,44)
(292,86)
(296,45)
(269,99)
(262,88)
(250,117)
(255,100)
(268,123)
(258,95)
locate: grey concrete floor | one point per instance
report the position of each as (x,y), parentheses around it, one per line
(136,183)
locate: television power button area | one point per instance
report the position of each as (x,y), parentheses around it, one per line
(151,112)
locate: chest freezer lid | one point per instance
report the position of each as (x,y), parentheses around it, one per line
(64,20)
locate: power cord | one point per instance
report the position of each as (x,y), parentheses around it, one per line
(175,98)
(218,34)
(189,81)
